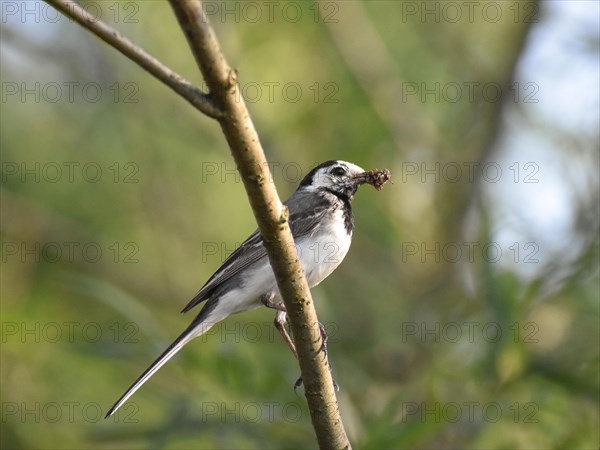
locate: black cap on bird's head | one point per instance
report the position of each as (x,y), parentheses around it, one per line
(340,177)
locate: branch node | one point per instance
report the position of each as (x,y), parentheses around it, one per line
(285,214)
(256,178)
(232,78)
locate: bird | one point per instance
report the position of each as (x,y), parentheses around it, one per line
(321,222)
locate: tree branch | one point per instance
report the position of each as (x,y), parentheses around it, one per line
(111,36)
(271,217)
(225,104)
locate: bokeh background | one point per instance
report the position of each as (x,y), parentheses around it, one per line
(466,314)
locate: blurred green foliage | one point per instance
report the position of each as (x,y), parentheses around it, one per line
(429,353)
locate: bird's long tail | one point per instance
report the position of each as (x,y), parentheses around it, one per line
(195,329)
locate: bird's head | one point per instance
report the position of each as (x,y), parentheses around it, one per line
(338,177)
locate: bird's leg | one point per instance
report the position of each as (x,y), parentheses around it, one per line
(323,349)
(280,319)
(299,382)
(324,340)
(267,300)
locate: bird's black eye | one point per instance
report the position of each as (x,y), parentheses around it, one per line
(338,171)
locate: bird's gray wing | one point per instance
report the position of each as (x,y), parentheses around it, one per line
(304,219)
(250,251)
(307,212)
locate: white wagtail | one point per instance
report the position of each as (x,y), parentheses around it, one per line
(320,217)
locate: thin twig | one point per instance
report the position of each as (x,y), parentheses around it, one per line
(187,90)
(272,222)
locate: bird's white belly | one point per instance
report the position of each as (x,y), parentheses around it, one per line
(323,252)
(320,254)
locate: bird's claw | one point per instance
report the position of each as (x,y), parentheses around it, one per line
(324,339)
(322,348)
(299,383)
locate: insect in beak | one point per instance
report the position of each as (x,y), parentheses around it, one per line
(377,178)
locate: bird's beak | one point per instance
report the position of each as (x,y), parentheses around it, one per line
(361,178)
